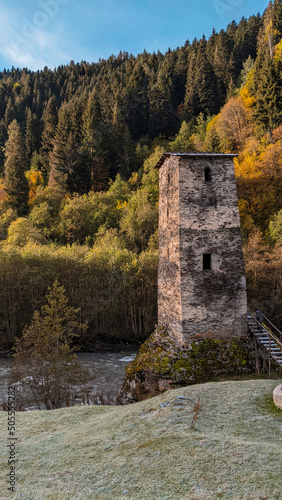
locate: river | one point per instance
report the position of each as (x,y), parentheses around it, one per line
(108,368)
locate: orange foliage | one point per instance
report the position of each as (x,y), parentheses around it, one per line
(277,134)
(35,179)
(271,160)
(247,99)
(258,171)
(234,125)
(248,167)
(3,194)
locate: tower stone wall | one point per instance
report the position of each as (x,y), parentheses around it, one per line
(201,280)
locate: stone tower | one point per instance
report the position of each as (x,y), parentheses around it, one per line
(201,281)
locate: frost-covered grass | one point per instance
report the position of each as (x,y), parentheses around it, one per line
(145,451)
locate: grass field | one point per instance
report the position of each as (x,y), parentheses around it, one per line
(148,451)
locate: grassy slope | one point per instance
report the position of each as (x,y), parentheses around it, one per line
(150,452)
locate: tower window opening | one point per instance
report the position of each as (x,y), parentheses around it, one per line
(168,179)
(206,261)
(207,174)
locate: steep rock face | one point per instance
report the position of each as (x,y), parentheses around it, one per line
(163,364)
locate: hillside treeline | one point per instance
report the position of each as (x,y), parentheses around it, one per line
(83,123)
(114,291)
(78,189)
(102,246)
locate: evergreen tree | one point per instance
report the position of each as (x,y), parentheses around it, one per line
(45,362)
(253,27)
(179,77)
(136,102)
(206,83)
(10,112)
(271,30)
(191,101)
(16,165)
(120,143)
(32,134)
(266,85)
(182,142)
(50,120)
(277,20)
(202,94)
(69,172)
(162,117)
(3,139)
(95,153)
(221,58)
(267,88)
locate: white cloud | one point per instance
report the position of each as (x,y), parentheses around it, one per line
(23,44)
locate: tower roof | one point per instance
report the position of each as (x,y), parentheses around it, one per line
(194,155)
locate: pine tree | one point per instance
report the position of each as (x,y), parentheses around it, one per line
(162,117)
(271,30)
(182,142)
(253,27)
(32,134)
(206,83)
(220,65)
(191,101)
(202,94)
(267,84)
(120,143)
(180,73)
(92,143)
(45,362)
(136,102)
(69,171)
(3,139)
(10,112)
(50,120)
(16,165)
(266,88)
(277,20)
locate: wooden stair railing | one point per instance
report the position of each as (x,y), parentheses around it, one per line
(266,338)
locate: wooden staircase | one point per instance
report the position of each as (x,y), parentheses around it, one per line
(266,338)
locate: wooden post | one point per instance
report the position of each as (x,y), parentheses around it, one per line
(256,351)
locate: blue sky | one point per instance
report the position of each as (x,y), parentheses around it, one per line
(38,33)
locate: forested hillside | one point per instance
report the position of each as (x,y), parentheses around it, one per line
(84,123)
(78,189)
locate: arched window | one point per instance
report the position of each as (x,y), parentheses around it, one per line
(207,174)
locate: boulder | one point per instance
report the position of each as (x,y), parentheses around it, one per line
(162,364)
